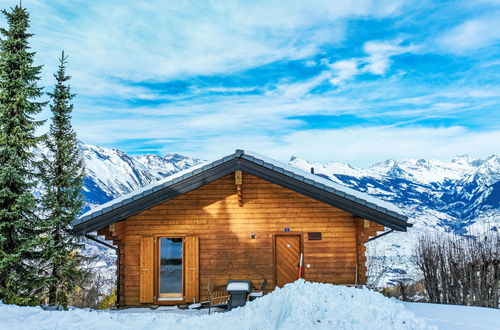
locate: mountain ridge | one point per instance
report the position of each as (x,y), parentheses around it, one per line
(110,173)
(463,187)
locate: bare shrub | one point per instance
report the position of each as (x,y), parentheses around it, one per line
(461,271)
(377,267)
(93,290)
(406,290)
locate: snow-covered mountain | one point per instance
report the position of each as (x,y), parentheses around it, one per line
(111,173)
(460,197)
(464,189)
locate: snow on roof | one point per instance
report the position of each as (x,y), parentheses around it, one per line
(133,195)
(298,174)
(326,182)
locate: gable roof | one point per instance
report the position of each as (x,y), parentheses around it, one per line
(316,187)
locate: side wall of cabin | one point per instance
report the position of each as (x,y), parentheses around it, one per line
(223,225)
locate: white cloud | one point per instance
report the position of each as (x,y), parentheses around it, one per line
(310,63)
(272,123)
(379,53)
(343,70)
(472,34)
(138,40)
(377,61)
(111,42)
(225,90)
(299,89)
(359,146)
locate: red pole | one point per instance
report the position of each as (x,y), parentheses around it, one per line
(300,265)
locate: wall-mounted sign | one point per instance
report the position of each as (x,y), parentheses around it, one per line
(287,229)
(314,236)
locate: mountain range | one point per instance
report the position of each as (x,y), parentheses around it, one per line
(459,197)
(465,189)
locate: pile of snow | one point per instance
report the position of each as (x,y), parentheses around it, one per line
(302,305)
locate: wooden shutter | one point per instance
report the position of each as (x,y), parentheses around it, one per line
(191,270)
(147,270)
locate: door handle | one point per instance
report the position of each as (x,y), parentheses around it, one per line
(192,268)
(145,269)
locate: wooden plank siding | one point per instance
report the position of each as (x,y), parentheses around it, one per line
(226,251)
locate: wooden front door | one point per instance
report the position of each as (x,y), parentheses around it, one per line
(287,256)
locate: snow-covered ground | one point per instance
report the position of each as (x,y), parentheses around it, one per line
(452,317)
(302,305)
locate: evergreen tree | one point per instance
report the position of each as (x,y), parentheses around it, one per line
(62,200)
(20,239)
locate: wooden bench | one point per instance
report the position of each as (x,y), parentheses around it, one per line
(218,295)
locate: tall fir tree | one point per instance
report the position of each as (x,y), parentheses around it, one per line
(20,239)
(62,201)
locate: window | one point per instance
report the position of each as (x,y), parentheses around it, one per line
(170,268)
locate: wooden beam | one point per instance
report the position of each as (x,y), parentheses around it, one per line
(238,180)
(95,239)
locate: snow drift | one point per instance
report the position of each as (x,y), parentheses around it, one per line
(301,304)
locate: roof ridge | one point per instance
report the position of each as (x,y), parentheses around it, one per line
(239,152)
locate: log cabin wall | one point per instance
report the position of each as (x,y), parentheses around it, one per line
(224,217)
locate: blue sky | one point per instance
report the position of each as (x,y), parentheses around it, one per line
(343,81)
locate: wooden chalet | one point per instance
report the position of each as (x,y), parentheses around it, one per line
(242,217)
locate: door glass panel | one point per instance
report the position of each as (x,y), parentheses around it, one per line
(170,265)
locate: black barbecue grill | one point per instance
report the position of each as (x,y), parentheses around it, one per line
(238,293)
